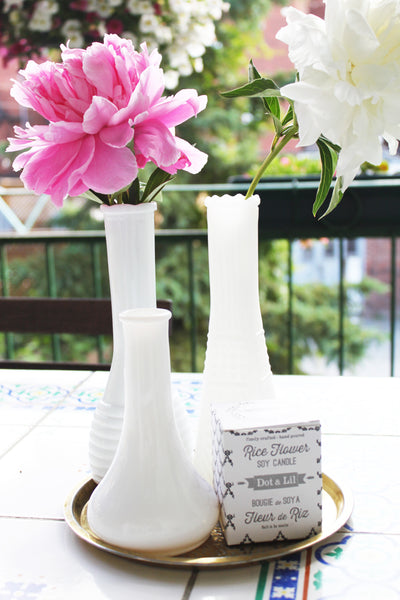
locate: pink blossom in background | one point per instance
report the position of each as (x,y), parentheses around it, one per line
(115,26)
(107,118)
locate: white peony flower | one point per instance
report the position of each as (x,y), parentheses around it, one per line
(349,79)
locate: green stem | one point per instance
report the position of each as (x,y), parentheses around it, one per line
(291,133)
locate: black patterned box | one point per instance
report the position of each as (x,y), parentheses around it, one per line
(267,476)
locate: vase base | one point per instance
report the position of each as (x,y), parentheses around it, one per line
(153,553)
(337,505)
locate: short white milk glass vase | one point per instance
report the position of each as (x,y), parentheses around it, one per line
(130,243)
(151,500)
(237,366)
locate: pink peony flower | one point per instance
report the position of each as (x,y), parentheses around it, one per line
(107,118)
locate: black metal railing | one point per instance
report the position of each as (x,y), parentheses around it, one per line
(370,209)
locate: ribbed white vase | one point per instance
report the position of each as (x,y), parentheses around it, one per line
(130,243)
(236,365)
(151,499)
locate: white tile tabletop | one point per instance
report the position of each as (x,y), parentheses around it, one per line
(44,423)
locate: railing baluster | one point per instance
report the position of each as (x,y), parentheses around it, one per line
(192,306)
(393,299)
(52,291)
(96,268)
(290,309)
(8,336)
(341,307)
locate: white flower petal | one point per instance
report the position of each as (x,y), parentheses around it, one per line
(309,128)
(305,35)
(392,143)
(349,78)
(358,36)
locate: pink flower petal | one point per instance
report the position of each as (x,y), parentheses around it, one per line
(47,170)
(110,170)
(147,92)
(99,69)
(62,132)
(78,167)
(46,90)
(191,159)
(176,109)
(23,158)
(156,143)
(118,136)
(98,115)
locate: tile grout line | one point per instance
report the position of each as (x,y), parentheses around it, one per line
(44,417)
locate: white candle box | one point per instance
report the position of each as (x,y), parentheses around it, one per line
(267,475)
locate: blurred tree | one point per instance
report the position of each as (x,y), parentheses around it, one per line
(229,131)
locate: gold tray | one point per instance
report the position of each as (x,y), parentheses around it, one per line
(337,505)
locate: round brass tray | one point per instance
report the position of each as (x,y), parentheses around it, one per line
(337,505)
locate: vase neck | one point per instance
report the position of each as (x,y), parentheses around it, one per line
(147,366)
(131,257)
(233,264)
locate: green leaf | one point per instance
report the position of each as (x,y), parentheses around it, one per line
(288,118)
(134,192)
(89,195)
(157,181)
(328,163)
(337,196)
(253,73)
(259,88)
(271,104)
(334,147)
(278,126)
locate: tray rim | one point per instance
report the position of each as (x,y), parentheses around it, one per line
(339,493)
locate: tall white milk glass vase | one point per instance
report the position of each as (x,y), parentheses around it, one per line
(151,499)
(130,243)
(236,365)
